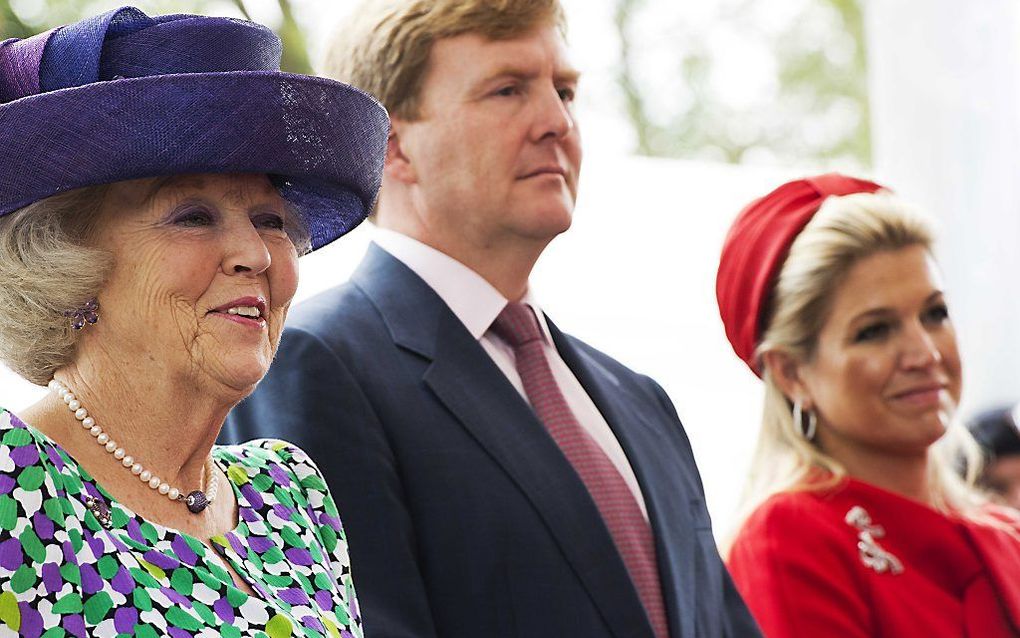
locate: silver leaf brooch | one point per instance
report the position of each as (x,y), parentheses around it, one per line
(872,554)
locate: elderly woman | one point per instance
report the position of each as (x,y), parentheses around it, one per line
(158,179)
(859,525)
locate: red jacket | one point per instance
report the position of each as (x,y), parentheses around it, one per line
(860,562)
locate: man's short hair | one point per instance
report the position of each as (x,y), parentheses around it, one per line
(384,47)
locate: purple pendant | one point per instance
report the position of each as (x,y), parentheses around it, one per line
(100,511)
(196,501)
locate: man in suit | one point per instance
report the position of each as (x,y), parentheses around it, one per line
(496,477)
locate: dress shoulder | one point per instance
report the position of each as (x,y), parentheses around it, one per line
(791,512)
(793,562)
(30,472)
(280,459)
(274,470)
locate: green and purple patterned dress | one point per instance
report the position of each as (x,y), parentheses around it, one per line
(63,573)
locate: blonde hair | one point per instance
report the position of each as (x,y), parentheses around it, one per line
(384,47)
(844,231)
(47,268)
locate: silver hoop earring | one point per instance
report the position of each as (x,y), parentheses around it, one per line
(811,428)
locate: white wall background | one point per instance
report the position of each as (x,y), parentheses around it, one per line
(945,96)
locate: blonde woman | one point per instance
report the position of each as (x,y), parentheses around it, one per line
(856,524)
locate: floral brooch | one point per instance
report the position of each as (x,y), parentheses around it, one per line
(872,554)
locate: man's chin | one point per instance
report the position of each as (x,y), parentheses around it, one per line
(549,219)
(542,235)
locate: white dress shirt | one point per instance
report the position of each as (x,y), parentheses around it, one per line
(477,304)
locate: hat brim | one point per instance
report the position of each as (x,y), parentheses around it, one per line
(322,142)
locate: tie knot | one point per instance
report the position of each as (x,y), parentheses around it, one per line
(517,325)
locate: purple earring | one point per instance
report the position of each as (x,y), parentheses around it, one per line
(88,313)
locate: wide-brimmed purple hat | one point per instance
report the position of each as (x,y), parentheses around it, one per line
(123,95)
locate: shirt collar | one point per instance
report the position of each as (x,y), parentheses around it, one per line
(472,299)
(531,300)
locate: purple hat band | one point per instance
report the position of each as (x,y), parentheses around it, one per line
(123,95)
(120,44)
(19,66)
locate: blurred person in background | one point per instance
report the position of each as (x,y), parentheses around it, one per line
(496,476)
(159,177)
(855,522)
(997,433)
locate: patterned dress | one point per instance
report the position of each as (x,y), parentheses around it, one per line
(65,572)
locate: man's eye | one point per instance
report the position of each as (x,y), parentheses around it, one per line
(508,91)
(567,94)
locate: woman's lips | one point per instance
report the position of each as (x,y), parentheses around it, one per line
(252,322)
(546,171)
(925,397)
(247,311)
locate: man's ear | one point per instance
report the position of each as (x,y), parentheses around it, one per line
(398,164)
(787,372)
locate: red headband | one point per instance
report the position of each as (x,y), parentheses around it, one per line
(756,248)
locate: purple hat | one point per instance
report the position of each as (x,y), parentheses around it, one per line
(121,96)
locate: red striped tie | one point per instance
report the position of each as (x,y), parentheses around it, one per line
(632,534)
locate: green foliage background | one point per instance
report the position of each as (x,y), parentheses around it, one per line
(819,111)
(46,14)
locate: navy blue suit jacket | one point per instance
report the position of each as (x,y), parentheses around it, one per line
(464,519)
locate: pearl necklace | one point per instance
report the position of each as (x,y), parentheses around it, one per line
(196,501)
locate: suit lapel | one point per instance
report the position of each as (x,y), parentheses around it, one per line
(643,437)
(470,385)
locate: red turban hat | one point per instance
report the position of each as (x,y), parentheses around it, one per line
(756,248)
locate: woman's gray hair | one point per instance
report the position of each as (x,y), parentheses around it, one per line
(294,225)
(47,268)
